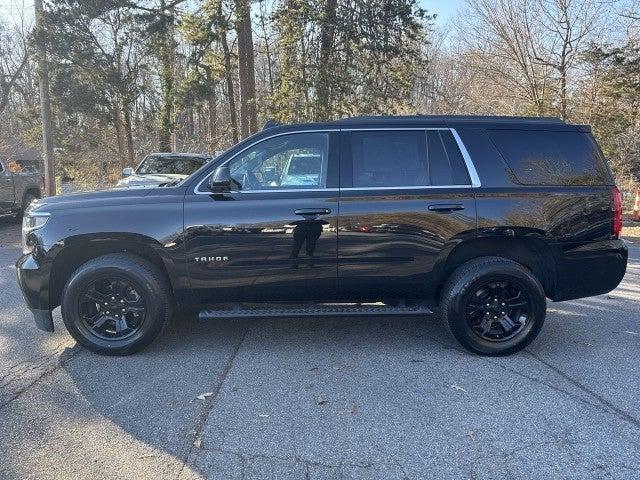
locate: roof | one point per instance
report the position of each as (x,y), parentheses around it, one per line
(421,120)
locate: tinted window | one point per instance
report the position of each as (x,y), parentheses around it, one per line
(295,161)
(446,165)
(389,158)
(406,159)
(539,157)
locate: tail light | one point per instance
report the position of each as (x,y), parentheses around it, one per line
(616,224)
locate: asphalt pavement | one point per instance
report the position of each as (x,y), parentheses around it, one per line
(362,398)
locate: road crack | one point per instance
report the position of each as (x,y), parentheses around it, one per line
(48,368)
(609,406)
(206,412)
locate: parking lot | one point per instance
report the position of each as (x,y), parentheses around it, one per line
(323,398)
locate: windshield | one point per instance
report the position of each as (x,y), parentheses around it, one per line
(169,165)
(305,165)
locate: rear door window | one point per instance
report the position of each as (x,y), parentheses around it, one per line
(446,165)
(406,158)
(389,158)
(540,157)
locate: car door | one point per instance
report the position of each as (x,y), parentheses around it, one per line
(406,198)
(7,193)
(274,237)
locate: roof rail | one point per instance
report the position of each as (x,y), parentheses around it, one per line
(270,123)
(494,118)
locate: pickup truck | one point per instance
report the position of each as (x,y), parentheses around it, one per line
(19,186)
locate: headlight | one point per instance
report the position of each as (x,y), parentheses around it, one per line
(30,222)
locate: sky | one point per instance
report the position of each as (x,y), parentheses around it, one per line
(445,9)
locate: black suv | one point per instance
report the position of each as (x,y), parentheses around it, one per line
(481,217)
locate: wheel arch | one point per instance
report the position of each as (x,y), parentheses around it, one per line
(80,249)
(533,253)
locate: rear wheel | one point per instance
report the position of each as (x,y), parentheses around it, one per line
(116,304)
(493,306)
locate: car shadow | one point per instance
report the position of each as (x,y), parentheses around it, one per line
(153,395)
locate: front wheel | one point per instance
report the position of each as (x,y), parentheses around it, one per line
(116,304)
(493,306)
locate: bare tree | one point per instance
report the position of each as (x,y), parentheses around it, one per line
(567,27)
(500,38)
(14,58)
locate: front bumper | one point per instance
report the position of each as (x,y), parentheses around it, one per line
(33,278)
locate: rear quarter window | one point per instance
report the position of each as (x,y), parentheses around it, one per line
(541,157)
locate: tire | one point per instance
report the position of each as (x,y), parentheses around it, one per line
(475,327)
(136,284)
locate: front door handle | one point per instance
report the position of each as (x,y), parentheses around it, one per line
(445,207)
(312,211)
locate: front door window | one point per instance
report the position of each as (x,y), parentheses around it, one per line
(286,162)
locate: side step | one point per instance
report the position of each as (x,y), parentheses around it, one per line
(314,310)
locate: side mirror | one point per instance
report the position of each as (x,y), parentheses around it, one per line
(127,172)
(220,181)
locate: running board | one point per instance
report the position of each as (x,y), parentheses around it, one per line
(315,310)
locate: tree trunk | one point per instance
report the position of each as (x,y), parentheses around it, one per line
(267,49)
(128,137)
(45,103)
(211,123)
(327,33)
(119,127)
(246,69)
(166,51)
(228,74)
(563,93)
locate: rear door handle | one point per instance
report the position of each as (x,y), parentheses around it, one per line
(312,211)
(445,207)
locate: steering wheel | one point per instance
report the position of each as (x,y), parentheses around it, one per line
(251,182)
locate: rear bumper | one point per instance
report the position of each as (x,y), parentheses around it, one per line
(590,269)
(33,278)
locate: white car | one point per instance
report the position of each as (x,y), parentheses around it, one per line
(160,168)
(303,169)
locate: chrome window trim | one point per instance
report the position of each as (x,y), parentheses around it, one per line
(414,187)
(285,190)
(471,170)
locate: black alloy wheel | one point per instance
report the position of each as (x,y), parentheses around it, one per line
(112,308)
(498,311)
